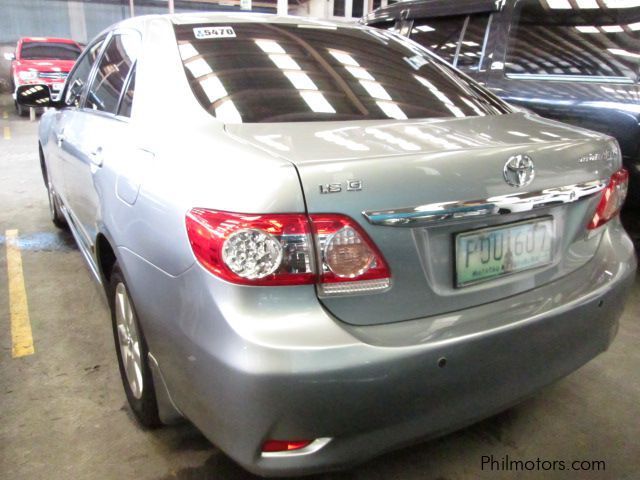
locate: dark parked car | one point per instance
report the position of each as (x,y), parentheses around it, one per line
(576,61)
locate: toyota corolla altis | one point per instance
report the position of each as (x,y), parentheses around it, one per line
(321,242)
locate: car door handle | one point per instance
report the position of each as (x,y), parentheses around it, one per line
(95,156)
(60,138)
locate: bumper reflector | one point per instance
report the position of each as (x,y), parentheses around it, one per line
(292,448)
(285,445)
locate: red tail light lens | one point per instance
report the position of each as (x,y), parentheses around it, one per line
(276,249)
(349,260)
(253,249)
(611,200)
(285,445)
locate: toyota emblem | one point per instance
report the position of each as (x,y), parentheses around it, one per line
(519,171)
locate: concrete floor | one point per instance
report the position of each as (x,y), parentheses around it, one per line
(63,412)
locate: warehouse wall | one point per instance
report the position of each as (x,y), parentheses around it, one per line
(61,18)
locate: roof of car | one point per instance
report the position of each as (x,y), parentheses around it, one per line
(430,8)
(244,17)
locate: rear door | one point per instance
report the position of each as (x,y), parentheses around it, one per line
(97,131)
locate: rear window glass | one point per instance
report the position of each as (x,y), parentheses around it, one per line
(127,98)
(566,41)
(260,72)
(47,50)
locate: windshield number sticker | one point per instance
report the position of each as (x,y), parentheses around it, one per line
(214,32)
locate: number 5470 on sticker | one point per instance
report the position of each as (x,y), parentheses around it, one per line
(214,32)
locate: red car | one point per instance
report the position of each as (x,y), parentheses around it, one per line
(42,60)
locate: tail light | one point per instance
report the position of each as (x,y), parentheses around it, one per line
(349,261)
(252,249)
(611,200)
(276,249)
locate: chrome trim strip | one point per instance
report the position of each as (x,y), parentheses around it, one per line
(568,78)
(53,75)
(499,205)
(362,287)
(313,447)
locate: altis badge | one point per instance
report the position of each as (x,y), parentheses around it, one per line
(213,32)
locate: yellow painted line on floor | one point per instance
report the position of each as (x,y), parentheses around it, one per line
(21,337)
(5,114)
(7,133)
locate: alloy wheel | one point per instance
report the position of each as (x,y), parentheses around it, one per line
(128,340)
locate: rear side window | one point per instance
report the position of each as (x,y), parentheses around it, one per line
(589,43)
(439,34)
(112,72)
(263,72)
(127,97)
(80,74)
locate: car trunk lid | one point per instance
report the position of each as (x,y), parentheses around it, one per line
(381,166)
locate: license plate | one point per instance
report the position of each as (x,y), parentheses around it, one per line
(489,253)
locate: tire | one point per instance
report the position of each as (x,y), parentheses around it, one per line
(55,212)
(132,351)
(21,111)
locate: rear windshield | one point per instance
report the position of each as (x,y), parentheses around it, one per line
(556,39)
(48,50)
(261,72)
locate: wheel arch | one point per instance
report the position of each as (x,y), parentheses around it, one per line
(43,165)
(105,257)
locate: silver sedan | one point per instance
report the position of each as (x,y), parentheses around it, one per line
(320,242)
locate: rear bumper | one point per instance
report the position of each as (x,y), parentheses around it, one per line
(405,400)
(372,389)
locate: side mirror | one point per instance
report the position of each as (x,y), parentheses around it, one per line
(34,96)
(9,56)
